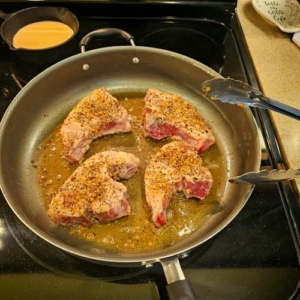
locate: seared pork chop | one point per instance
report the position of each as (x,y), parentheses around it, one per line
(92,191)
(175,167)
(168,115)
(97,114)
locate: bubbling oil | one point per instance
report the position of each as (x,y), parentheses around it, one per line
(135,231)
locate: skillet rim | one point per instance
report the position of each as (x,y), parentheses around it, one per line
(96,258)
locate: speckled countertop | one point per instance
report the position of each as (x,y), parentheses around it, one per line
(277,64)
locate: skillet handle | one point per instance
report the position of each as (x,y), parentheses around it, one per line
(105,32)
(178,287)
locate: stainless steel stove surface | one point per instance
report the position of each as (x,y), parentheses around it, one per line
(254,257)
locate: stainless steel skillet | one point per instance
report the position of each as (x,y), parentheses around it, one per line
(44,102)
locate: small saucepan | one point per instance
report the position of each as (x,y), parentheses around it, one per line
(15,21)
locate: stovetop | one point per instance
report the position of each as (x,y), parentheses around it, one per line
(254,257)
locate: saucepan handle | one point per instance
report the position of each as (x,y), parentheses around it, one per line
(178,286)
(105,32)
(3,15)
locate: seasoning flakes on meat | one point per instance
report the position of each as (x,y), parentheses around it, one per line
(175,167)
(168,115)
(96,115)
(92,192)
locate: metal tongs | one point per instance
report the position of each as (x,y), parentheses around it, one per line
(232,91)
(266,176)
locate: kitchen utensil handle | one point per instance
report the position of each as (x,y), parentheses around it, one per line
(105,32)
(180,290)
(178,287)
(282,108)
(260,101)
(3,15)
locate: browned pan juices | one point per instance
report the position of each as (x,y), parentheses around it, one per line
(135,232)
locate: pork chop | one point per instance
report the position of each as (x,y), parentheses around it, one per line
(96,115)
(168,115)
(92,191)
(175,167)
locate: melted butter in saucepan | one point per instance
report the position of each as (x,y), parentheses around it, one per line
(135,231)
(42,35)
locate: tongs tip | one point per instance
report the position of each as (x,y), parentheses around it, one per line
(265,176)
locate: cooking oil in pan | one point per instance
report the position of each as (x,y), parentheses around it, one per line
(135,232)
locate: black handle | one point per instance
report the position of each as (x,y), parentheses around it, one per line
(105,32)
(3,15)
(181,290)
(178,288)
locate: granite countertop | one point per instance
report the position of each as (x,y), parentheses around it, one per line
(276,60)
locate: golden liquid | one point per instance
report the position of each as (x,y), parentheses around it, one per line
(41,35)
(135,232)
